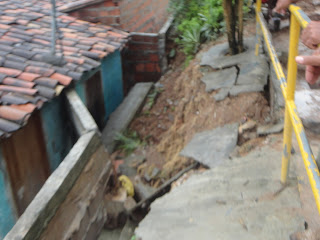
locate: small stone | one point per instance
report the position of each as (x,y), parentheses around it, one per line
(247,126)
(129,203)
(171,117)
(158,85)
(169,101)
(141,190)
(270,129)
(155,172)
(249,135)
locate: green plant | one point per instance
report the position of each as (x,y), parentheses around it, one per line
(197,21)
(129,141)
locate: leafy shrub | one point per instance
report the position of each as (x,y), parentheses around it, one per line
(197,21)
(129,141)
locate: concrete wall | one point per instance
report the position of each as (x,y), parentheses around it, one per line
(7,213)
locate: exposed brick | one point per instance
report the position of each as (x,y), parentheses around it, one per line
(154,57)
(140,67)
(150,67)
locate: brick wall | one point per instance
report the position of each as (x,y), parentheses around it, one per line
(131,15)
(144,58)
(107,12)
(141,59)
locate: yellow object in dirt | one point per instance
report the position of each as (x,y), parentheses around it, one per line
(127,184)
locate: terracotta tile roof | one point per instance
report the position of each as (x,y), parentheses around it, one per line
(27,80)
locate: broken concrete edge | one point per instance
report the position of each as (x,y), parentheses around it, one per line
(80,115)
(45,204)
(78,223)
(163,33)
(163,189)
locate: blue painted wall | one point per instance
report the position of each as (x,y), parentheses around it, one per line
(111,72)
(80,89)
(57,129)
(7,216)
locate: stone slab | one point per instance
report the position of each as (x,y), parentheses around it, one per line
(222,94)
(221,79)
(308,106)
(212,147)
(255,72)
(215,56)
(240,199)
(270,129)
(238,89)
(121,118)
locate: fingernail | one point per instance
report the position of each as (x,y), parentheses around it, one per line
(299,59)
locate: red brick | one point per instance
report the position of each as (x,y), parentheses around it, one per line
(150,67)
(154,57)
(109,3)
(158,68)
(140,67)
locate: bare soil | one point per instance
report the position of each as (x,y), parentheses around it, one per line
(185,108)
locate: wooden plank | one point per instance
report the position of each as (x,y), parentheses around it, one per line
(27,162)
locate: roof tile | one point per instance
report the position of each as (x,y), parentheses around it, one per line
(28,107)
(10,72)
(13,114)
(17,82)
(62,79)
(28,76)
(7,126)
(39,70)
(18,90)
(48,82)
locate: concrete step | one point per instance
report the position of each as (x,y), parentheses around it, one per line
(121,118)
(240,199)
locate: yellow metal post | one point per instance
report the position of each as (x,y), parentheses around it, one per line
(258,30)
(291,86)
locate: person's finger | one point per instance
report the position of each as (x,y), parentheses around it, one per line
(310,43)
(309,60)
(312,74)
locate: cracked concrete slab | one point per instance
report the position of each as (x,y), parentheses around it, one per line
(220,79)
(212,147)
(240,199)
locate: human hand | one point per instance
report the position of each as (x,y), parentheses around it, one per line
(282,6)
(312,64)
(311,35)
